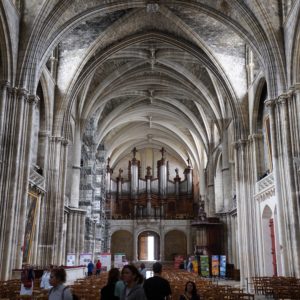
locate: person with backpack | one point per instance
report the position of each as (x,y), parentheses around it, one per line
(59,291)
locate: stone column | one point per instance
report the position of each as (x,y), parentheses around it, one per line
(162,241)
(82,228)
(226,179)
(240,208)
(290,192)
(69,232)
(280,201)
(4,86)
(74,197)
(210,188)
(77,245)
(74,231)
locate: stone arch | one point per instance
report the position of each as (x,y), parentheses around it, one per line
(295,51)
(6,58)
(142,244)
(175,243)
(122,242)
(261,130)
(267,215)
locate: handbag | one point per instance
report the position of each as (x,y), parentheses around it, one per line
(27,284)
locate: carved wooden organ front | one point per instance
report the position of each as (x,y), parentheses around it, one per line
(149,197)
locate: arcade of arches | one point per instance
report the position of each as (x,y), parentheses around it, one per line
(151,128)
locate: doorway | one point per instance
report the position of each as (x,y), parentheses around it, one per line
(148,246)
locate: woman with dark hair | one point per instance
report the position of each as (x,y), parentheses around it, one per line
(190,292)
(107,292)
(133,281)
(59,291)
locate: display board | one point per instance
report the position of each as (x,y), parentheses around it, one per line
(85,258)
(105,259)
(222,265)
(120,260)
(215,265)
(71,259)
(204,265)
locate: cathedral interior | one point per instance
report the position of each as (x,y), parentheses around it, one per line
(170,121)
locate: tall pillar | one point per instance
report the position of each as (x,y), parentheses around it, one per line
(282,219)
(226,179)
(289,178)
(74,196)
(69,232)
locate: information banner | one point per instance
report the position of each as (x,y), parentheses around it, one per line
(204,265)
(222,265)
(105,259)
(71,259)
(215,265)
(120,260)
(85,258)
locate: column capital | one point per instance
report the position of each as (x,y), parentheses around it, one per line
(22,92)
(270,102)
(4,84)
(255,136)
(295,87)
(33,99)
(240,143)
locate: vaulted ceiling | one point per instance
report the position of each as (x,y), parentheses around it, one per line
(155,74)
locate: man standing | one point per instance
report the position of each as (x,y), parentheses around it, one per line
(156,287)
(90,268)
(98,267)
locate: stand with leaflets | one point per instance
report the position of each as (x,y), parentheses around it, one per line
(215,265)
(204,265)
(222,265)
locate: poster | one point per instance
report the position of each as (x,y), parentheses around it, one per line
(85,258)
(204,265)
(30,225)
(71,259)
(120,260)
(105,259)
(222,265)
(215,265)
(195,264)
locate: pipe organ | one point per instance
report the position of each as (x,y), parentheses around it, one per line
(150,197)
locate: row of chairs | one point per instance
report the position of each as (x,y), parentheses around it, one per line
(277,287)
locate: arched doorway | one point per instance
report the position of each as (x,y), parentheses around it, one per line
(175,243)
(121,242)
(269,249)
(148,246)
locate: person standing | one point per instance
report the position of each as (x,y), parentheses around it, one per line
(108,292)
(27,280)
(190,292)
(133,284)
(90,268)
(156,287)
(98,267)
(143,270)
(45,284)
(59,291)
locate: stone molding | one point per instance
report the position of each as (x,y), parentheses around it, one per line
(265,188)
